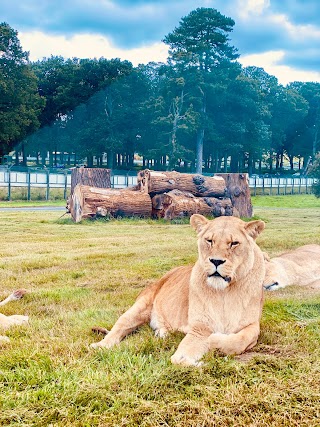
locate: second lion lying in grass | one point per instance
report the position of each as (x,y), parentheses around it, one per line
(217,302)
(300,266)
(16,319)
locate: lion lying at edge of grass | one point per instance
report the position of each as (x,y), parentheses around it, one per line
(300,266)
(217,302)
(16,319)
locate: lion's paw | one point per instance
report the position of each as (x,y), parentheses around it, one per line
(103,344)
(4,340)
(18,294)
(18,319)
(180,359)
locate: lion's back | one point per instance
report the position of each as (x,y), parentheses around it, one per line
(303,256)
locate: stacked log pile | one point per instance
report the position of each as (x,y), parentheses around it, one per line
(165,195)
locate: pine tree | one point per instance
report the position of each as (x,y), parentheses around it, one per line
(199,46)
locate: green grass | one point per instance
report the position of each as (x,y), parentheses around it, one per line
(81,275)
(289,201)
(32,203)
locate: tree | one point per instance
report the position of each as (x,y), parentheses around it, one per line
(20,103)
(67,83)
(200,45)
(310,132)
(315,172)
(73,90)
(172,118)
(288,111)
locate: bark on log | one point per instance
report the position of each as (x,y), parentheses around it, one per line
(92,202)
(153,182)
(94,177)
(239,192)
(177,204)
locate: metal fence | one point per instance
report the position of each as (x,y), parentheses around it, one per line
(48,180)
(280,185)
(34,179)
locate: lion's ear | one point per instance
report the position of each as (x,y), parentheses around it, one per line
(254,228)
(198,222)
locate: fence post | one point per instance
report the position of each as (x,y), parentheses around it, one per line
(278,189)
(65,185)
(48,185)
(29,186)
(9,185)
(285,185)
(255,186)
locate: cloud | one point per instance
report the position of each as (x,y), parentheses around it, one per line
(126,23)
(263,29)
(273,63)
(89,46)
(299,11)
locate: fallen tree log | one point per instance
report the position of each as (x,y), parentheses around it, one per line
(94,177)
(177,204)
(92,202)
(153,182)
(239,192)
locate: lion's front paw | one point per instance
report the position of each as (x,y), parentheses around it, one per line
(104,344)
(4,340)
(184,360)
(96,345)
(18,294)
(18,319)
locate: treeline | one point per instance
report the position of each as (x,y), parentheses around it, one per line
(200,111)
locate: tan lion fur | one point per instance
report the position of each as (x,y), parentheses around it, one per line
(300,266)
(217,302)
(16,319)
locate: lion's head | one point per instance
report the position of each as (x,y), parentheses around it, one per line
(226,248)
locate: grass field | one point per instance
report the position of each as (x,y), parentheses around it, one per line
(81,275)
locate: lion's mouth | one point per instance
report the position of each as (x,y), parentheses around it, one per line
(217,274)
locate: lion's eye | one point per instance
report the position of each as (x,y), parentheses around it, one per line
(209,241)
(233,244)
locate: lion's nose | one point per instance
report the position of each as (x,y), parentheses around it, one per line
(217,262)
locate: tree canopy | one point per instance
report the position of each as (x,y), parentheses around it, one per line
(20,103)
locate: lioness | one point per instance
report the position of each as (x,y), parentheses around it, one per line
(298,267)
(217,303)
(16,319)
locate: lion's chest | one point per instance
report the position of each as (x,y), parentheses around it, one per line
(224,312)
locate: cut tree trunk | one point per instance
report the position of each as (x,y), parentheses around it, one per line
(239,192)
(161,182)
(93,202)
(177,204)
(94,177)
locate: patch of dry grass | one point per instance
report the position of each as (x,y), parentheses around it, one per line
(80,275)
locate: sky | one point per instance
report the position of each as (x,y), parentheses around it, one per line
(281,36)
